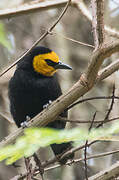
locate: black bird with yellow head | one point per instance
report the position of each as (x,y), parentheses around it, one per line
(33,85)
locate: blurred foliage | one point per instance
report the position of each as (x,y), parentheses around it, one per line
(3,37)
(34,138)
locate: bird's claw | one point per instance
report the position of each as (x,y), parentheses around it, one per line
(25,123)
(46,105)
(28,118)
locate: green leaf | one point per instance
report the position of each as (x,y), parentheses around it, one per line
(34,138)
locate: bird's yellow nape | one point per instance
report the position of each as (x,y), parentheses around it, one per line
(41,66)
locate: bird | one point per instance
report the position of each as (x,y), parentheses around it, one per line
(35,84)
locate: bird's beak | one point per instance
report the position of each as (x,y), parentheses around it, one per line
(61,65)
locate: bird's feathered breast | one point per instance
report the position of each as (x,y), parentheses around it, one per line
(28,93)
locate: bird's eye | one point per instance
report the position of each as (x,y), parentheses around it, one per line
(50,63)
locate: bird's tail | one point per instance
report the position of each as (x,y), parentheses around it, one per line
(59,149)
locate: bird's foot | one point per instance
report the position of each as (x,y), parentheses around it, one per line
(25,123)
(46,105)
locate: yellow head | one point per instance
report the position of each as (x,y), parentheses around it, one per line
(46,62)
(40,63)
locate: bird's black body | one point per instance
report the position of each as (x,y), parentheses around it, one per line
(28,94)
(29,91)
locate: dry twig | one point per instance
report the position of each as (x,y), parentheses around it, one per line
(85,122)
(20,177)
(110,109)
(86,146)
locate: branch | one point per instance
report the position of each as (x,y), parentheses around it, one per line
(31,8)
(94,23)
(97,60)
(86,146)
(89,157)
(108,174)
(89,121)
(110,109)
(107,71)
(73,40)
(69,152)
(92,98)
(78,90)
(100,21)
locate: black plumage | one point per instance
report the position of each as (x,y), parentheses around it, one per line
(29,91)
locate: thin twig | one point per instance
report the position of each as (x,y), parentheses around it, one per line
(92,122)
(111,105)
(38,40)
(38,163)
(59,18)
(69,152)
(53,160)
(89,157)
(92,98)
(85,160)
(110,109)
(73,40)
(76,161)
(85,149)
(85,122)
(29,169)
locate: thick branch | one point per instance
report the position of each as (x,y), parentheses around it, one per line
(108,174)
(31,8)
